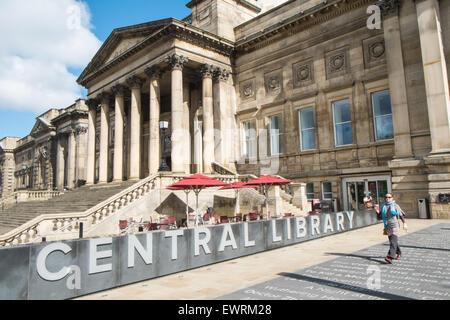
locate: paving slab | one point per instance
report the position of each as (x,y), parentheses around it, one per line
(423,273)
(363,247)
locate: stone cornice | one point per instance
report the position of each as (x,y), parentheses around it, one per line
(315,15)
(168,29)
(243,3)
(74,115)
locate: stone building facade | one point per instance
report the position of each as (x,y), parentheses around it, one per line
(52,156)
(311,90)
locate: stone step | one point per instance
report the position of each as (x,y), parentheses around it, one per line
(77,200)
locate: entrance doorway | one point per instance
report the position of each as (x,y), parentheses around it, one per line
(355,189)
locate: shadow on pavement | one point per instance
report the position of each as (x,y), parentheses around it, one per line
(373,259)
(416,247)
(344,286)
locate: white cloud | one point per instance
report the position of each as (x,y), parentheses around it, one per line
(41,39)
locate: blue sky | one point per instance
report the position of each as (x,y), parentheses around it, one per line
(42,59)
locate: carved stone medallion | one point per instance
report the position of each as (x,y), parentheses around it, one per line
(374,52)
(303,73)
(337,63)
(247,89)
(273,82)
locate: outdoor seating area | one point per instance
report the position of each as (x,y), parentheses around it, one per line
(197,183)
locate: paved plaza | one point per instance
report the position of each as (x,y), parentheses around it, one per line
(344,266)
(423,273)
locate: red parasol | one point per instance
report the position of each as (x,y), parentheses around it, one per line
(266,182)
(196,183)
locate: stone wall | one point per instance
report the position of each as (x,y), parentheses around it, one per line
(68,269)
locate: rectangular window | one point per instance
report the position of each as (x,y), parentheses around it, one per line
(310,190)
(382,114)
(342,123)
(250,139)
(306,127)
(276,137)
(326,191)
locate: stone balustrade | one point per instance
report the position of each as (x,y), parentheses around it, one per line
(66,226)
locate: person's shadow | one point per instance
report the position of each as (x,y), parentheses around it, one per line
(372,259)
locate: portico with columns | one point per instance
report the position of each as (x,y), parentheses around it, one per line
(187,88)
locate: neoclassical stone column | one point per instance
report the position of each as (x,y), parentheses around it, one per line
(81,143)
(154,155)
(397,80)
(221,107)
(176,63)
(135,84)
(90,163)
(208,117)
(435,73)
(118,91)
(104,137)
(71,149)
(60,163)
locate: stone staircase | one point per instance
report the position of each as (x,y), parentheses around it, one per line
(286,205)
(77,200)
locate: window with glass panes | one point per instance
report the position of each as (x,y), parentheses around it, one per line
(306,128)
(382,114)
(327,193)
(250,139)
(310,190)
(276,138)
(342,123)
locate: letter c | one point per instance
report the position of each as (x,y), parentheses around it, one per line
(42,258)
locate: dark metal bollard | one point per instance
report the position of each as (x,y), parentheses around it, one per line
(81,230)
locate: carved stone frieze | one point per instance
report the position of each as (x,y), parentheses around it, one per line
(92,103)
(247,89)
(303,73)
(374,52)
(273,82)
(207,70)
(153,72)
(79,130)
(221,74)
(176,61)
(134,82)
(337,63)
(118,90)
(104,97)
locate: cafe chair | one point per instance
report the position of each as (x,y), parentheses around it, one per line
(253,216)
(172,222)
(163,223)
(224,219)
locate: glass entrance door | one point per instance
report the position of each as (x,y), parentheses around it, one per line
(355,189)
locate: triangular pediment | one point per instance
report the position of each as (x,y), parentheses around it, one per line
(41,126)
(121,41)
(123,46)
